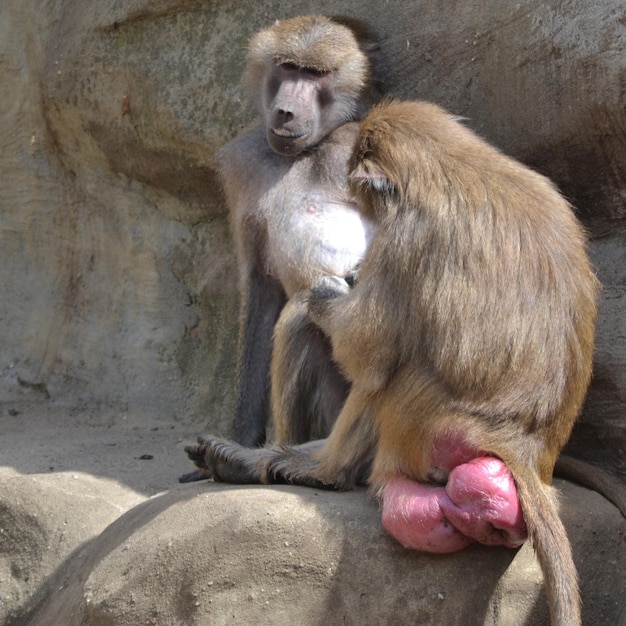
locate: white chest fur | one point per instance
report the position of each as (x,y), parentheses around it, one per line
(322,235)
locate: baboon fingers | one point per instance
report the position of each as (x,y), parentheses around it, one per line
(321,295)
(192,477)
(196,453)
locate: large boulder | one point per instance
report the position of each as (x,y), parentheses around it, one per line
(43,519)
(276,556)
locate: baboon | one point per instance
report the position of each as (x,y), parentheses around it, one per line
(293,217)
(468,342)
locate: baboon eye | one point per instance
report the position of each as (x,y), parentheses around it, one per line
(313,71)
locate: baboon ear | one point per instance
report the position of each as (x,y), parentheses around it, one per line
(369,174)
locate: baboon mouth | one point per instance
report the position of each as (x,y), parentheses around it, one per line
(286,134)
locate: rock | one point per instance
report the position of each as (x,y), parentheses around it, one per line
(213,554)
(43,520)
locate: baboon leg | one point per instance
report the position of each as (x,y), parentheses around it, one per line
(313,464)
(308,388)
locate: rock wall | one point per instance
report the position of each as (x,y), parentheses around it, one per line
(116,267)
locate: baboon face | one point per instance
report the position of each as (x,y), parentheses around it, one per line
(309,75)
(300,107)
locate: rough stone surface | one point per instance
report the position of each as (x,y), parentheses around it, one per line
(43,518)
(118,314)
(205,554)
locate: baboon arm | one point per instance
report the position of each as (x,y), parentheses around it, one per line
(338,462)
(262,300)
(227,461)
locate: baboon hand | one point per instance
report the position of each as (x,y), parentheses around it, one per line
(322,295)
(227,461)
(223,461)
(352,277)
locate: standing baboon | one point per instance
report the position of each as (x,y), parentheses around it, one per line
(468,341)
(293,216)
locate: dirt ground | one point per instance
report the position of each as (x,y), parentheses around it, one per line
(65,475)
(143,454)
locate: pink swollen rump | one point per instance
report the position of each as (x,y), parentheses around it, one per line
(478,503)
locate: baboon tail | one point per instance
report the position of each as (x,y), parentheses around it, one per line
(543,521)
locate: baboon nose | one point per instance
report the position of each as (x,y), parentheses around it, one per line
(283,116)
